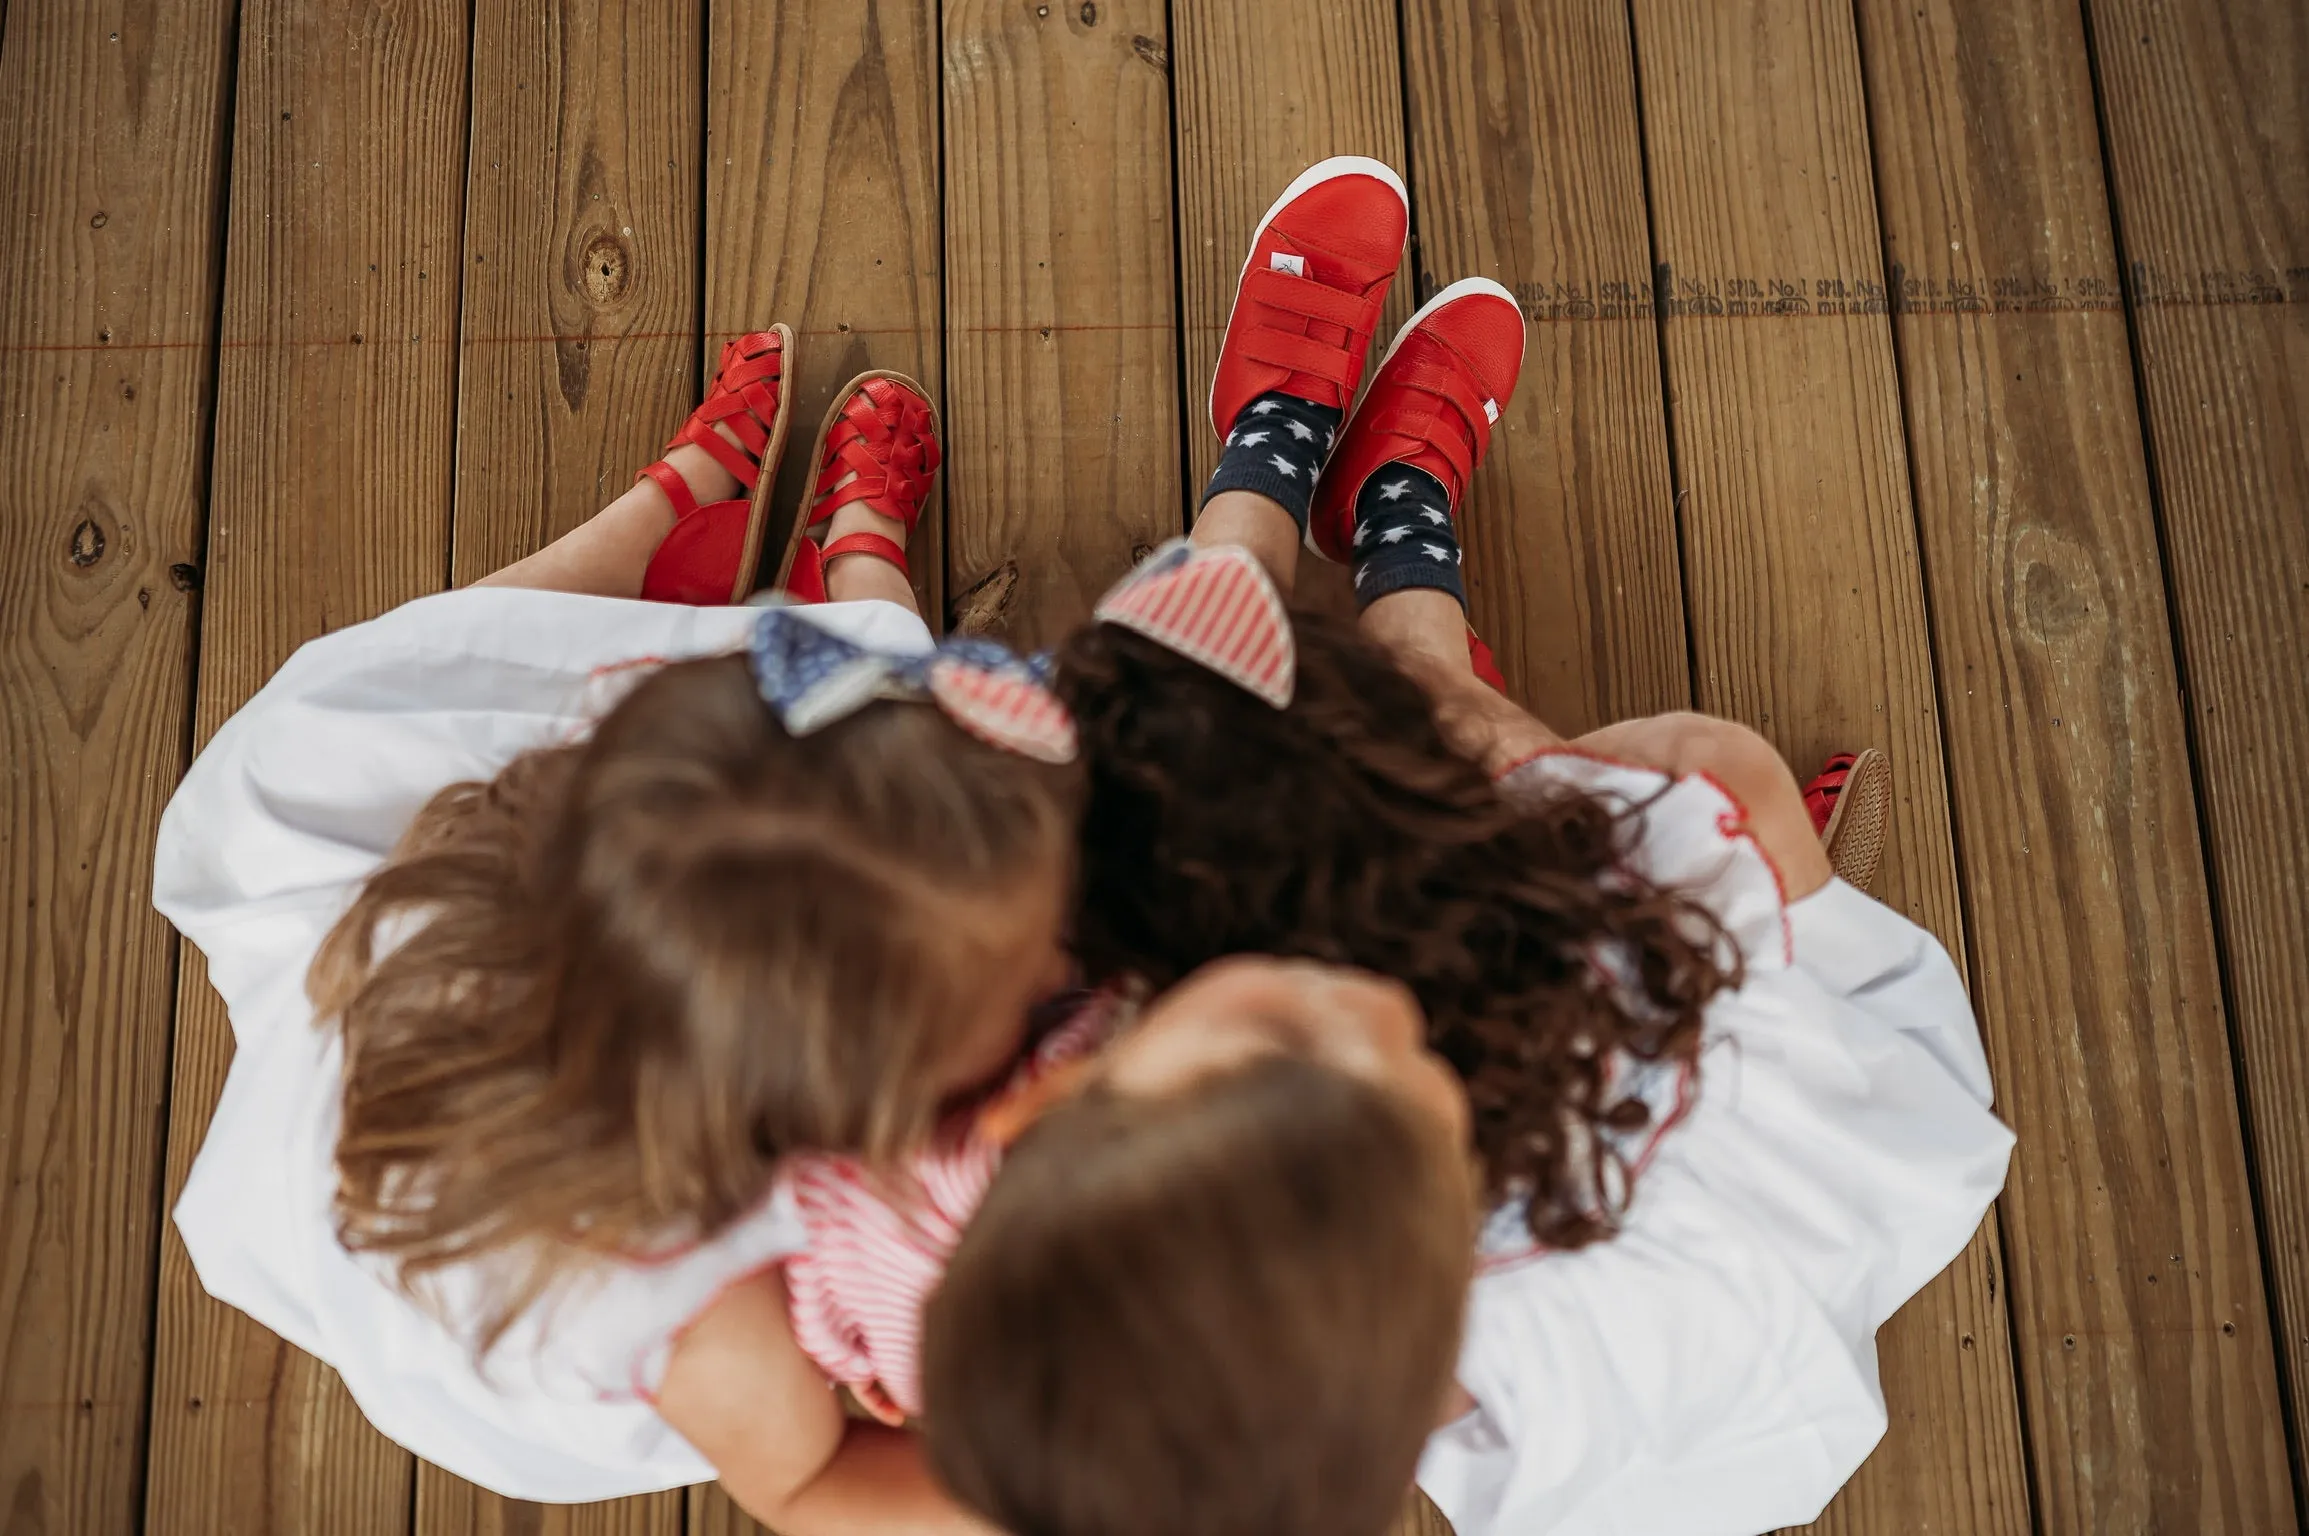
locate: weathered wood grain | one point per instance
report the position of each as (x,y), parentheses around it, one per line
(1062,358)
(822,211)
(112,128)
(2207,118)
(335,427)
(1807,610)
(2128,1214)
(1528,169)
(578,352)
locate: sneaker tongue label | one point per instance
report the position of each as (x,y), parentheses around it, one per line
(1284,261)
(1491,411)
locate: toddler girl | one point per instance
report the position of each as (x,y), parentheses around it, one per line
(604,910)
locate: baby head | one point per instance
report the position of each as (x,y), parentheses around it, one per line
(589,1004)
(1220,1289)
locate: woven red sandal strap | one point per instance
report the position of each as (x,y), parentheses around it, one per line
(744,398)
(676,489)
(892,466)
(873,544)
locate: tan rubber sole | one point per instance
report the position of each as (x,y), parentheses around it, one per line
(801,529)
(1861,821)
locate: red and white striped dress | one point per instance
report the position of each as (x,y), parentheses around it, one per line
(878,1241)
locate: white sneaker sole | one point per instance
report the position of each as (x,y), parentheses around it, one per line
(1466,287)
(1313,176)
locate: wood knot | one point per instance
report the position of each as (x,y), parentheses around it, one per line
(605,270)
(184,577)
(100,220)
(1151,52)
(1088,13)
(87,545)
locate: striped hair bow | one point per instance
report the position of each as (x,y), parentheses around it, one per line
(811,678)
(1217,607)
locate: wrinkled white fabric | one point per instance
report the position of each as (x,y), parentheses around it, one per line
(1711,1371)
(294,802)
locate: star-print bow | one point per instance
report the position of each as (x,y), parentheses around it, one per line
(811,678)
(1216,607)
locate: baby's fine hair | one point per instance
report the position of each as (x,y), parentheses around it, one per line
(587,1005)
(1231,1309)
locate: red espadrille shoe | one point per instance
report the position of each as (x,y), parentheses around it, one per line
(879,447)
(710,557)
(1312,288)
(1850,801)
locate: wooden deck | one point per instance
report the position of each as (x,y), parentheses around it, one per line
(1930,373)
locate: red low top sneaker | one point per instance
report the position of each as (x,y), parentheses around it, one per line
(1312,288)
(1441,386)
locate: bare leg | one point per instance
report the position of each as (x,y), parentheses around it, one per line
(1427,634)
(607,553)
(1257,523)
(854,577)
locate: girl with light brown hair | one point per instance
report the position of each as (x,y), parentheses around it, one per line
(554,925)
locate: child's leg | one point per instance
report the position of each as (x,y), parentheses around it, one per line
(607,553)
(1259,524)
(1426,632)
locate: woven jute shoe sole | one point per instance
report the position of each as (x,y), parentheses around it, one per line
(1862,819)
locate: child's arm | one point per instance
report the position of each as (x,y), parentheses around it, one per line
(740,1389)
(1747,765)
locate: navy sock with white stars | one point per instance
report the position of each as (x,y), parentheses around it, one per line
(1403,536)
(1277,449)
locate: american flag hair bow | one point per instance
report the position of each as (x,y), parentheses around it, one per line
(1215,606)
(811,678)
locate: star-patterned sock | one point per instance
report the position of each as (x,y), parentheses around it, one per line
(1403,536)
(1277,449)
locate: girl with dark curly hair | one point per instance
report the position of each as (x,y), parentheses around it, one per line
(1724,1113)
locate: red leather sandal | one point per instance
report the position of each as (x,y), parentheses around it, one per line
(883,431)
(1850,801)
(710,557)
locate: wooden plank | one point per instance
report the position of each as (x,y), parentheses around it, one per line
(2128,1213)
(450,1506)
(113,118)
(2208,139)
(1806,603)
(1062,361)
(335,421)
(1528,168)
(822,211)
(1261,94)
(577,359)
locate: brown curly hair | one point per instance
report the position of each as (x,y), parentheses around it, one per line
(1344,829)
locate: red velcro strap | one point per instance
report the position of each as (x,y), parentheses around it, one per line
(1300,354)
(1312,300)
(866,544)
